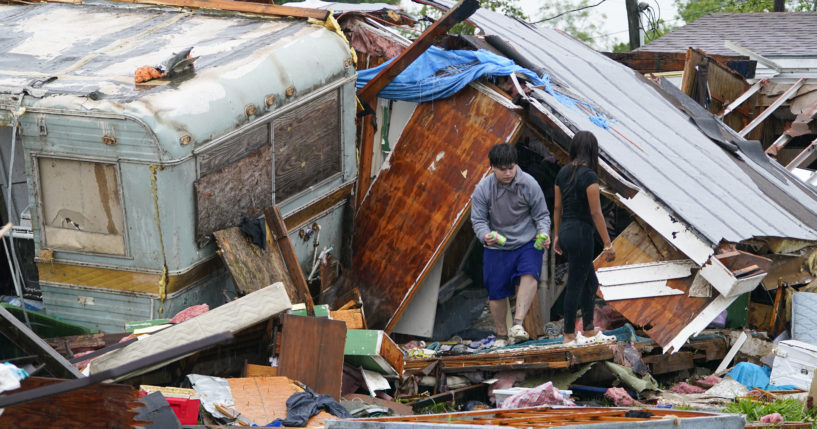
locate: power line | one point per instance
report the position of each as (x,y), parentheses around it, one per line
(570,11)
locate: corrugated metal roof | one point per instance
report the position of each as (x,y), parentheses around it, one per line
(769,34)
(656,145)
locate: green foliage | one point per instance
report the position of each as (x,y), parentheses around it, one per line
(508,7)
(792,410)
(690,10)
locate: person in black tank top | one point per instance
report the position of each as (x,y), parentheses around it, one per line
(576,213)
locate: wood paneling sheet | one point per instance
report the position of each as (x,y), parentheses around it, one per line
(312,352)
(663,317)
(223,198)
(102,405)
(307,145)
(417,200)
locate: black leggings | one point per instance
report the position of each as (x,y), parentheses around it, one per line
(577,241)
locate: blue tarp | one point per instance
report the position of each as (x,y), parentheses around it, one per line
(751,376)
(438,73)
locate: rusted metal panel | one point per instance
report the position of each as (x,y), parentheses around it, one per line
(421,195)
(243,188)
(307,146)
(662,318)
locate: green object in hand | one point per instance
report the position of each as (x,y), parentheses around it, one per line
(540,241)
(500,239)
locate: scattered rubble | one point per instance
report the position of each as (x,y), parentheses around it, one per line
(290,270)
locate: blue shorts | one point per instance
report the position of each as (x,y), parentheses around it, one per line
(501,269)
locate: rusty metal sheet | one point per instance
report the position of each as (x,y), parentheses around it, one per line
(414,206)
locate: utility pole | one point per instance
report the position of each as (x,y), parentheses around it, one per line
(633,24)
(779,6)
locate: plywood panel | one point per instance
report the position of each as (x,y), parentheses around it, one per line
(417,200)
(233,149)
(663,317)
(312,352)
(224,198)
(307,146)
(264,399)
(252,267)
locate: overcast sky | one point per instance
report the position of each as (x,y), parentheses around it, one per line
(616,23)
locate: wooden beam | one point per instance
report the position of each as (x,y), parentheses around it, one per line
(24,338)
(368,94)
(240,6)
(275,223)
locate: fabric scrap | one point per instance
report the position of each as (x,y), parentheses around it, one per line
(619,396)
(544,394)
(189,313)
(684,387)
(303,405)
(773,418)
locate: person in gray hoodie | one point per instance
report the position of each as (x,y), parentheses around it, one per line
(511,219)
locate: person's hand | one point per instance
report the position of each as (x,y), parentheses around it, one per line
(546,243)
(489,239)
(556,247)
(609,253)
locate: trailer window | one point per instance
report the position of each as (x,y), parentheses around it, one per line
(80,206)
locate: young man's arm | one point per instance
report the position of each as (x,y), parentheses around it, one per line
(479,214)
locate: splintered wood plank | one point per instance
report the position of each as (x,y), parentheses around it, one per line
(278,229)
(422,196)
(662,317)
(353,318)
(312,352)
(252,267)
(102,405)
(264,399)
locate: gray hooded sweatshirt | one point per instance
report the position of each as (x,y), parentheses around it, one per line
(516,210)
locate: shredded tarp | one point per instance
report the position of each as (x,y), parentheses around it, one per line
(438,73)
(751,376)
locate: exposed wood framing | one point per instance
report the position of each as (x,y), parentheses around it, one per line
(368,94)
(743,97)
(789,93)
(799,126)
(646,62)
(240,6)
(422,196)
(802,156)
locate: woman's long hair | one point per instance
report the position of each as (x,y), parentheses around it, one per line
(584,150)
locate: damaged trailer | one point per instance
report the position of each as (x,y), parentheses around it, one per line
(118,187)
(707,205)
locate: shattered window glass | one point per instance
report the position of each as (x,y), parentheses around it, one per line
(80,206)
